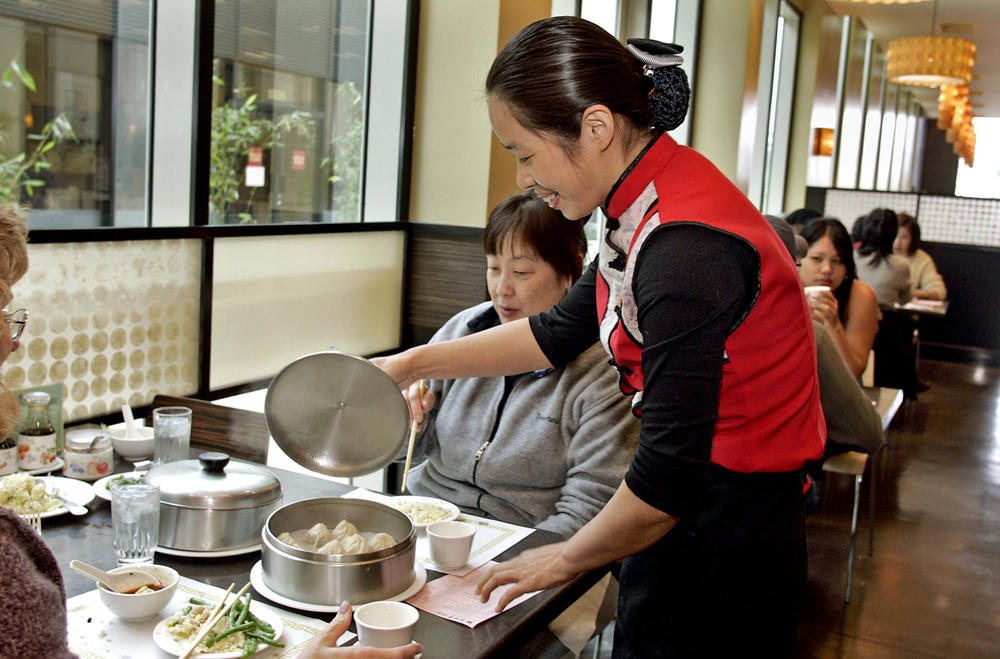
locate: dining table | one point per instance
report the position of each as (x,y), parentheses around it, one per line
(88,538)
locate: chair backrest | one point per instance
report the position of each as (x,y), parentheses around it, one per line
(239,433)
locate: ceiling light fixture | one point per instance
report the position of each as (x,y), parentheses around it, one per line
(931,61)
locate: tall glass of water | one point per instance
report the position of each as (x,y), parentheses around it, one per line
(171,434)
(135,521)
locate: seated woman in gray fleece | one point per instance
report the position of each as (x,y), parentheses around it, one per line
(544,449)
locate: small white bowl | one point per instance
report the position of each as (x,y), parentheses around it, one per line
(133,449)
(447,510)
(146,605)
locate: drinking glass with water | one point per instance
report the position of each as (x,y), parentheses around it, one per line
(135,521)
(171,434)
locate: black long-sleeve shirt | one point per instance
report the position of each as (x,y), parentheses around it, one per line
(692,284)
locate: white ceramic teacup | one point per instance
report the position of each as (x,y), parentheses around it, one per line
(451,543)
(813,291)
(385,624)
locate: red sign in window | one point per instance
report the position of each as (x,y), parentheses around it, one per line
(255,155)
(298,159)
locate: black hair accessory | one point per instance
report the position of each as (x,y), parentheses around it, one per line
(670,94)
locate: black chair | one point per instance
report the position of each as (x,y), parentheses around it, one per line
(895,351)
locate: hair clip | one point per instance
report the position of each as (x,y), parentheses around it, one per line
(655,54)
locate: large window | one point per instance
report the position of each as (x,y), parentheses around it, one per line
(96,130)
(288,113)
(74,110)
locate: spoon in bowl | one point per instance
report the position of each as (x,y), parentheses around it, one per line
(124,582)
(131,430)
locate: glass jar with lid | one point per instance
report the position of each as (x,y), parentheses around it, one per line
(37,445)
(88,454)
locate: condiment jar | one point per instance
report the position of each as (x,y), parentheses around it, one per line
(36,443)
(88,456)
(8,456)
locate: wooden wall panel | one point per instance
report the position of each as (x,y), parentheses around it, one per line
(446,273)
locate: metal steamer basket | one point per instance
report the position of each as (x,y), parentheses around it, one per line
(338,415)
(327,580)
(213,503)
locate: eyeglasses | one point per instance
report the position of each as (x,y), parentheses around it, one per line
(16,320)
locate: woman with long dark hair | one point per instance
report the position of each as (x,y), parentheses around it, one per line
(700,307)
(887,273)
(847,308)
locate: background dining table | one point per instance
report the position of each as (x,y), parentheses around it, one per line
(88,538)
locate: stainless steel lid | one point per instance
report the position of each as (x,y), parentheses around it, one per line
(336,414)
(214,482)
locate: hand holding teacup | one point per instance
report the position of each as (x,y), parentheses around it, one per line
(823,304)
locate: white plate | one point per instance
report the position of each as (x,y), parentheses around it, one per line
(448,506)
(208,554)
(56,464)
(257,581)
(102,486)
(168,644)
(74,490)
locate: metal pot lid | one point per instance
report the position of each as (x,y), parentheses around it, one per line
(214,482)
(336,414)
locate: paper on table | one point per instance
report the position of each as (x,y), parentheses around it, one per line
(493,537)
(94,631)
(454,598)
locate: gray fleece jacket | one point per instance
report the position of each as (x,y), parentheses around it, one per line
(549,456)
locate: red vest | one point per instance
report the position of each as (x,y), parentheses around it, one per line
(769,409)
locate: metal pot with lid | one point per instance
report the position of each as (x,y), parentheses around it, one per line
(213,503)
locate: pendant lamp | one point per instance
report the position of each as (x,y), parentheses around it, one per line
(931,61)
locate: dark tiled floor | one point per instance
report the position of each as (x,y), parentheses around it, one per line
(932,588)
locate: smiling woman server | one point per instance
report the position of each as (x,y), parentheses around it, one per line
(700,307)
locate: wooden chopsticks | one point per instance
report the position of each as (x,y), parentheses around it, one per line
(220,610)
(422,388)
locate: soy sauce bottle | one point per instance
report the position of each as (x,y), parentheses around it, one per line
(37,422)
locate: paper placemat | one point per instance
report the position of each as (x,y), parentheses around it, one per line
(493,537)
(94,631)
(454,598)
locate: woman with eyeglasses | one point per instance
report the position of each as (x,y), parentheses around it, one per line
(32,599)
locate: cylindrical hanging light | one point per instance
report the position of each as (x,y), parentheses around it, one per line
(948,99)
(930,61)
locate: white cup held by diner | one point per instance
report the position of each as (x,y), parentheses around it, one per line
(385,624)
(451,543)
(814,291)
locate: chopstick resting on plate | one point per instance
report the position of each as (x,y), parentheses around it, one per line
(413,434)
(220,610)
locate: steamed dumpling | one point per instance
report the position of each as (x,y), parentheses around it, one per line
(319,535)
(332,547)
(381,541)
(343,529)
(354,544)
(287,538)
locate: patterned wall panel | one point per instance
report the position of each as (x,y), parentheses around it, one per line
(849,205)
(113,321)
(958,220)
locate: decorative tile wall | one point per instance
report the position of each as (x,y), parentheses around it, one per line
(849,205)
(959,220)
(113,321)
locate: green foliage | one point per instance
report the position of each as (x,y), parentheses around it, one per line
(234,130)
(344,160)
(19,171)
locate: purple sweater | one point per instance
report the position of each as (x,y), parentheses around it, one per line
(32,598)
